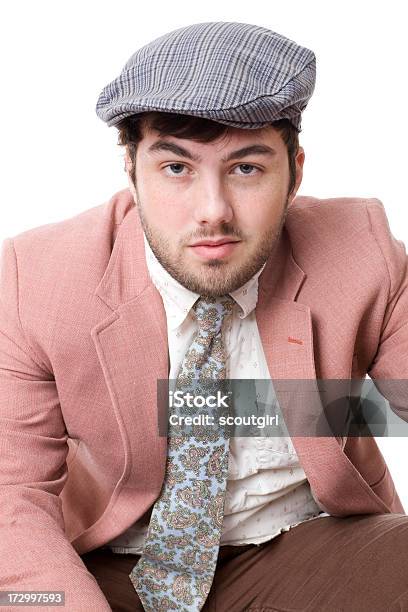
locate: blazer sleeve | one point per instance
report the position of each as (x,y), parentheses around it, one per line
(35,552)
(389,368)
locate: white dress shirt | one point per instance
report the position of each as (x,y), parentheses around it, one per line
(267,489)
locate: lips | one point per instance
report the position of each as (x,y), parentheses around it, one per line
(206,249)
(213,242)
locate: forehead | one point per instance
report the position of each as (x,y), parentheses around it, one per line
(263,141)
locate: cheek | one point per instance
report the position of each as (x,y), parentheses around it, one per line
(166,215)
(155,205)
(261,215)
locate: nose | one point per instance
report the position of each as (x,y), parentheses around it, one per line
(212,206)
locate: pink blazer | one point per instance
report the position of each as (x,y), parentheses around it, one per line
(83,341)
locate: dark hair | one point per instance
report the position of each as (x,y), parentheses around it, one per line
(195,128)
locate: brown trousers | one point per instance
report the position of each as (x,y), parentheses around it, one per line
(331,564)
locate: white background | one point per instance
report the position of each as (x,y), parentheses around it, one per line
(58,158)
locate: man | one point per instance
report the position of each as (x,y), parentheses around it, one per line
(207,263)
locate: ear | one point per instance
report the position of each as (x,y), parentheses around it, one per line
(300,160)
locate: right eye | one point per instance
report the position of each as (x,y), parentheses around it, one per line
(175,166)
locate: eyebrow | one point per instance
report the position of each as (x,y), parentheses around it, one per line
(255,149)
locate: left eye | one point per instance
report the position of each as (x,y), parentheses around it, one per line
(175,166)
(242,166)
(246,166)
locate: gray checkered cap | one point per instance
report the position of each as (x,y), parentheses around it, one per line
(238,74)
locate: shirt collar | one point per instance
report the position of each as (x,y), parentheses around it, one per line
(178,300)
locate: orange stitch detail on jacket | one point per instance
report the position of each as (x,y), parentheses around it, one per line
(295,340)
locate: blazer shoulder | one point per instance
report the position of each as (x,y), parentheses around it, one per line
(331,217)
(339,214)
(355,229)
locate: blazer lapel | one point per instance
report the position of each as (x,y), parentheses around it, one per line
(131,343)
(286,331)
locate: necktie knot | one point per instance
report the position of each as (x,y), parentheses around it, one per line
(211,312)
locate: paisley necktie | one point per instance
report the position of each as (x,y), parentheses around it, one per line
(176,569)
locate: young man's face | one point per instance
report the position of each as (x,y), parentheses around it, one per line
(220,195)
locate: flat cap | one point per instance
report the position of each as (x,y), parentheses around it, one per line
(238,74)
